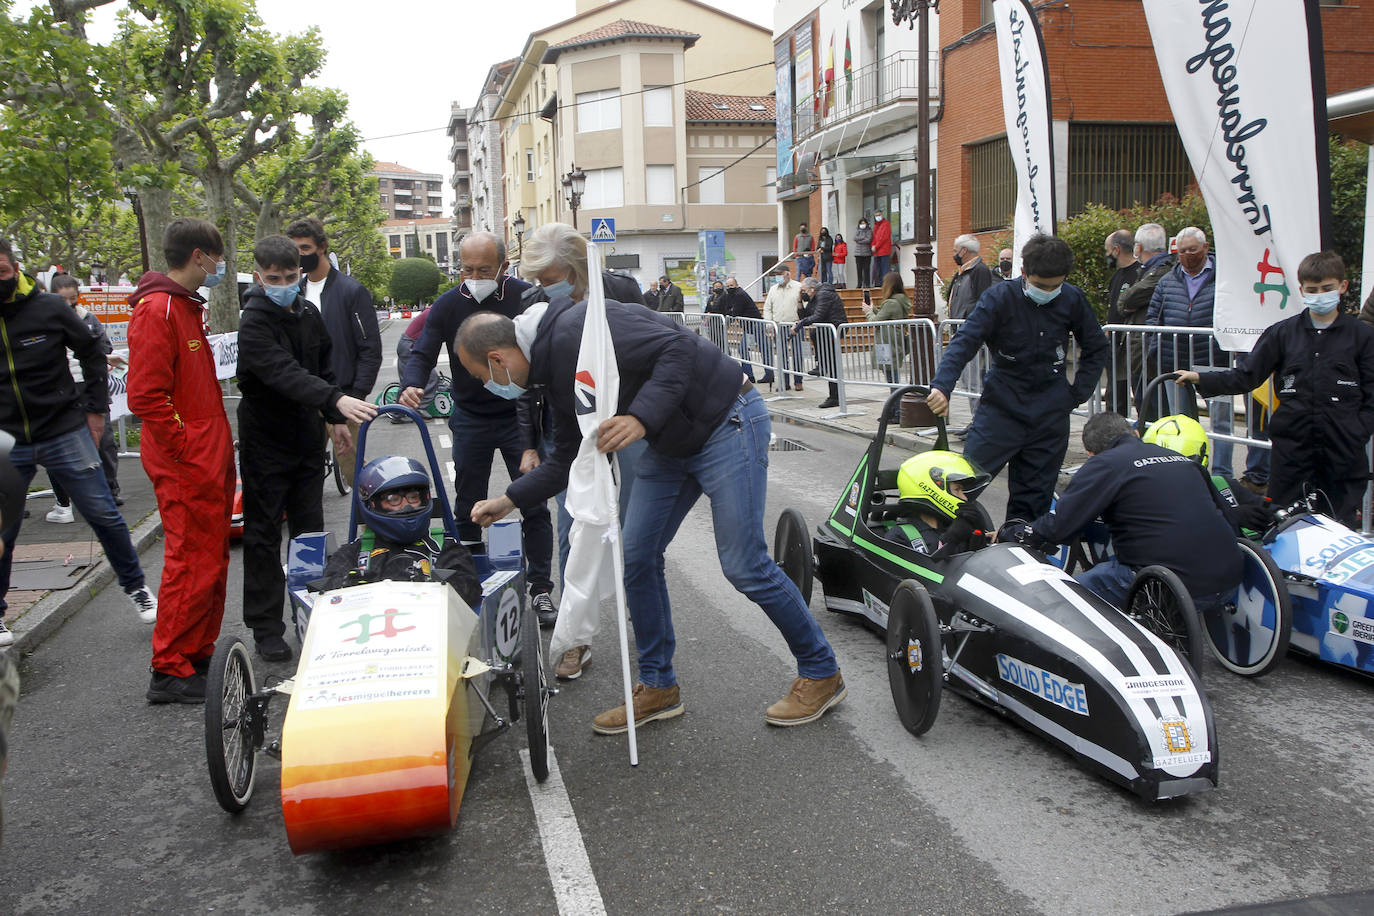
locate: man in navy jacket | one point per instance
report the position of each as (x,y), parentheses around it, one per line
(482,423)
(708,432)
(1023,418)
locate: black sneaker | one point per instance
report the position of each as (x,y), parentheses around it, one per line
(168,688)
(202,665)
(827,404)
(274,649)
(544,609)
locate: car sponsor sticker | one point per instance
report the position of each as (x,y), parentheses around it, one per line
(1343,569)
(852,504)
(1179,760)
(1176,737)
(876,606)
(1360,629)
(1163,685)
(1037,681)
(913,654)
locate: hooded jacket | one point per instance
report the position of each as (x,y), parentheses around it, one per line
(39,399)
(285,374)
(677,383)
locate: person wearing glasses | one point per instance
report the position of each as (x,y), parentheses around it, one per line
(483,422)
(400,538)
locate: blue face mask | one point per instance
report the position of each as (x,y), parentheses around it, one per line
(213,280)
(509,390)
(1322,303)
(282,295)
(1041,296)
(561,288)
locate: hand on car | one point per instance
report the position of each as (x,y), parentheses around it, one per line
(937,402)
(492,510)
(356,409)
(1186,377)
(410,397)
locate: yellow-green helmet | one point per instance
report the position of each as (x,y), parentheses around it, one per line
(925,479)
(1180,434)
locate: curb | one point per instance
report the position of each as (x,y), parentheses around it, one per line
(48,615)
(901,439)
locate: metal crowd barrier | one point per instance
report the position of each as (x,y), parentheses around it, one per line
(888,354)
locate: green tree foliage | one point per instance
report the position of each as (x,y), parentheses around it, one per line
(414,280)
(1349,183)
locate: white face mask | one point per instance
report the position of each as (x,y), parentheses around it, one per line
(480,289)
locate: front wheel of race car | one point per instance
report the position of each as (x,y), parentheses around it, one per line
(914,670)
(792,551)
(230,745)
(1159,602)
(1249,632)
(536,694)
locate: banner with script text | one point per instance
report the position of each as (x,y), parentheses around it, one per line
(1247,90)
(1026,107)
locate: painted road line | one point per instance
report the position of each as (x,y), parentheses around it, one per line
(445,441)
(448,466)
(570,871)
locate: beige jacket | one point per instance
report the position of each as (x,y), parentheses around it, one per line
(783,302)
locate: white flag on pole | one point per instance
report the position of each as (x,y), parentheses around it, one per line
(1247,91)
(1026,109)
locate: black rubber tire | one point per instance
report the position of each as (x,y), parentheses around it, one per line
(1159,602)
(230,750)
(535,709)
(792,551)
(391,394)
(1229,627)
(343,480)
(915,672)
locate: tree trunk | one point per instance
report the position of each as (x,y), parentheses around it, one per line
(219,206)
(269,219)
(157,215)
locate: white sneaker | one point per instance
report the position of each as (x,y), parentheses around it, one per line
(60,515)
(145,602)
(6,637)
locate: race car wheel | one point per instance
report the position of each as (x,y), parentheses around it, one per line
(535,694)
(914,669)
(1159,602)
(230,748)
(390,395)
(792,551)
(343,479)
(1249,632)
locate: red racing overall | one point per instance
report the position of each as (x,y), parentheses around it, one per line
(188,452)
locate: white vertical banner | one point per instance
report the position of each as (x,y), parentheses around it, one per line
(1026,108)
(1245,83)
(596,565)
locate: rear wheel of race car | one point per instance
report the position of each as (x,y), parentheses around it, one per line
(792,551)
(1249,632)
(343,479)
(536,694)
(1159,602)
(391,394)
(914,670)
(230,749)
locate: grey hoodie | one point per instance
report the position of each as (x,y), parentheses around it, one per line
(861,245)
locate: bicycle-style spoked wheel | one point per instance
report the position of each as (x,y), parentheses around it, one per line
(536,694)
(230,745)
(343,477)
(1159,602)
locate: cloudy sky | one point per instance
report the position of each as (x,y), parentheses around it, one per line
(403,62)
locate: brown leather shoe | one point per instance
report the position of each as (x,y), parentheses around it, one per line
(1262,489)
(651,703)
(573,661)
(807,701)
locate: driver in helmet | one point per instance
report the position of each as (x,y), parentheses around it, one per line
(398,542)
(938,488)
(1186,436)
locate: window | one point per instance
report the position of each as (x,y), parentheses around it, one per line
(394,243)
(1119,165)
(658,107)
(384,199)
(770,189)
(605,189)
(598,110)
(441,249)
(659,184)
(984,12)
(529,165)
(993,191)
(412,245)
(711,189)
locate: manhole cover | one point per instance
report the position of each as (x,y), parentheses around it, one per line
(778,444)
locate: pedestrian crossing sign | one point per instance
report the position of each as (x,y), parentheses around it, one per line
(603,230)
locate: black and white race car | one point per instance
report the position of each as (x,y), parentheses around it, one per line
(1006,629)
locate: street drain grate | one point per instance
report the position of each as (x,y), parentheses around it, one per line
(788,445)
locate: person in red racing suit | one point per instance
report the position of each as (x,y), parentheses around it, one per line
(187,449)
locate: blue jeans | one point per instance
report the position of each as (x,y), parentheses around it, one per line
(1111,581)
(732,470)
(629,469)
(72,462)
(475,438)
(880,266)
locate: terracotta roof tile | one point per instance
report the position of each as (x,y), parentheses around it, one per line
(712,106)
(618,30)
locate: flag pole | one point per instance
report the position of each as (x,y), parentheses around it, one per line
(621,614)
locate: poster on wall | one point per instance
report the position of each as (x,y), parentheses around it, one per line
(908,216)
(805,86)
(782,61)
(683,273)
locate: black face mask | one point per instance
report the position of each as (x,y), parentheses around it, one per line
(310,261)
(1109,260)
(7,288)
(718,291)
(1005,266)
(958,260)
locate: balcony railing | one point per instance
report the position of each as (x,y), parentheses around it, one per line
(895,78)
(401,192)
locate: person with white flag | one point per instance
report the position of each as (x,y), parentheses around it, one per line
(708,432)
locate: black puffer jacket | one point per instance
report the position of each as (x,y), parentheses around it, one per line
(826,307)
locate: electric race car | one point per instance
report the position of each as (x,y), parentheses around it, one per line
(1007,630)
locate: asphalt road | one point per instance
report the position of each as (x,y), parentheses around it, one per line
(109,808)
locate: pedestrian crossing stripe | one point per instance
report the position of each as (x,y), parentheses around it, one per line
(603,230)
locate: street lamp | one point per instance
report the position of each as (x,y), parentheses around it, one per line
(519,226)
(916,14)
(574,183)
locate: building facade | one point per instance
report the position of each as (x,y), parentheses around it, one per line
(606,92)
(407,194)
(436,236)
(460,160)
(484,153)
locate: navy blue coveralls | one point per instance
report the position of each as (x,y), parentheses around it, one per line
(1023,418)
